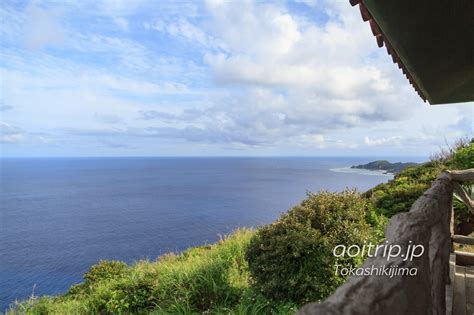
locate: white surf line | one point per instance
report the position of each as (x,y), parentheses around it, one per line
(361,171)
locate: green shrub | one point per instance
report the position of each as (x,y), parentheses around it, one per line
(464,158)
(399,194)
(291,259)
(445,155)
(105,270)
(123,295)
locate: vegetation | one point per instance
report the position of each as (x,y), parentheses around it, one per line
(272,270)
(385,165)
(399,194)
(291,259)
(207,279)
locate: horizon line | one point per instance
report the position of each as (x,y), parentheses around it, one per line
(213,156)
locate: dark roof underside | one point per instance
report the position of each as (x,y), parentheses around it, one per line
(432,41)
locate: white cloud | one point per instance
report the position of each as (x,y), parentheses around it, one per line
(180,27)
(333,74)
(10,134)
(231,75)
(310,141)
(395,140)
(311,3)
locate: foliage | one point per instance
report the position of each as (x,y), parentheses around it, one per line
(463,213)
(399,194)
(386,166)
(291,259)
(205,279)
(105,270)
(445,155)
(463,158)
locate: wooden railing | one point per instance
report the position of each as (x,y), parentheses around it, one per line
(428,223)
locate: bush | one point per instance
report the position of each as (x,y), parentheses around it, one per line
(464,157)
(445,155)
(399,194)
(102,271)
(105,270)
(291,259)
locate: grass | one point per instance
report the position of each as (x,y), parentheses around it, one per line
(202,280)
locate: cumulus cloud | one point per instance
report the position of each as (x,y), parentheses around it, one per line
(297,77)
(229,74)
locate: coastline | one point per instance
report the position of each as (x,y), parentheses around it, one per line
(361,171)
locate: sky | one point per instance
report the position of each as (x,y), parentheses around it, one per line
(212,78)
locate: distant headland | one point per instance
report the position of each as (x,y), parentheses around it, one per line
(384,165)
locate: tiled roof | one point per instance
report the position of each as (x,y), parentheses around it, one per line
(382,40)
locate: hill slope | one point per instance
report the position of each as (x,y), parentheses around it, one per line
(385,165)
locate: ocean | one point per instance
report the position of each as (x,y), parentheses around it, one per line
(59,216)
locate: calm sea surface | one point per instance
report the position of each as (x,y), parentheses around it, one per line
(59,216)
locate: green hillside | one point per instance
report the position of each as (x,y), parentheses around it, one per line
(384,165)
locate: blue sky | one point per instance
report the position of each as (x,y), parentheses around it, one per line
(237,78)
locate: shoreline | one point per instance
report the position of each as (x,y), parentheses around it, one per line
(361,171)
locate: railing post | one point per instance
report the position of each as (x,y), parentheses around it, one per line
(439,249)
